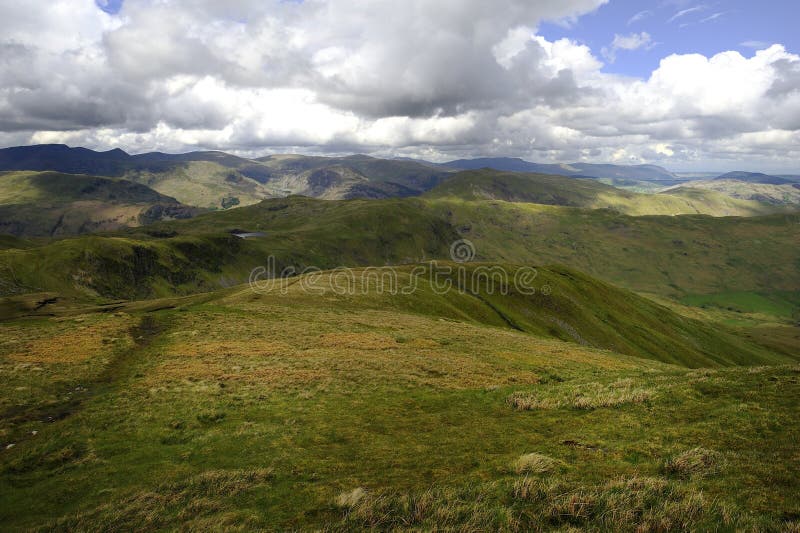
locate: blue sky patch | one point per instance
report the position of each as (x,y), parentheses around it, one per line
(659,28)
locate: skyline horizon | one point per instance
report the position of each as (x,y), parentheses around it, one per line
(684,84)
(255,154)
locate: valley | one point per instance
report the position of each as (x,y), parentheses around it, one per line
(154,382)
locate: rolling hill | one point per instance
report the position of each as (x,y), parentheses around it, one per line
(786,194)
(755,177)
(56,204)
(635,173)
(672,256)
(146,388)
(308,409)
(588,193)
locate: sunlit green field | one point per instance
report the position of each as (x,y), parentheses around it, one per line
(241,410)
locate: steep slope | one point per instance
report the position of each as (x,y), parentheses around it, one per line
(556,302)
(55,204)
(664,255)
(559,190)
(357,176)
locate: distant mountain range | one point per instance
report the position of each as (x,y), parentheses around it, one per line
(58,190)
(218,180)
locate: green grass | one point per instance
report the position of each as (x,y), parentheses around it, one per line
(580,405)
(669,256)
(203,184)
(588,193)
(56,204)
(247,411)
(17,188)
(778,304)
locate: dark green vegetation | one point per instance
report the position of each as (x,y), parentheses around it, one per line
(54,204)
(780,304)
(146,388)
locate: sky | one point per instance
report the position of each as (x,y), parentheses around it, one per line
(690,85)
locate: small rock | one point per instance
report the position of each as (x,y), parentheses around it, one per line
(34,432)
(9,446)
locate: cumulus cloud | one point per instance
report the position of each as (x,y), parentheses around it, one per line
(424,78)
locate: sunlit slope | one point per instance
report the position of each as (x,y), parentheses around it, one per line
(588,193)
(305,411)
(554,302)
(548,302)
(769,193)
(206,184)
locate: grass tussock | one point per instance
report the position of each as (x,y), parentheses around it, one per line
(464,509)
(635,504)
(697,462)
(585,396)
(535,463)
(350,498)
(624,504)
(195,500)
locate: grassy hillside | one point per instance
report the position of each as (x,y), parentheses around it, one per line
(56,187)
(204,184)
(784,194)
(663,255)
(592,194)
(55,204)
(673,256)
(166,258)
(304,411)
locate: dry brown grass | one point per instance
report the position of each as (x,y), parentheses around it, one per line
(351,498)
(535,463)
(582,396)
(73,341)
(193,503)
(697,462)
(358,341)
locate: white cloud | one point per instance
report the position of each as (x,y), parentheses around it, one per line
(435,79)
(634,41)
(688,11)
(640,16)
